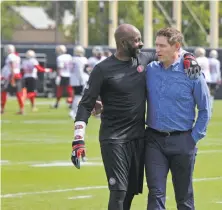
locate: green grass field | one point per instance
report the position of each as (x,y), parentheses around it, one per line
(36,172)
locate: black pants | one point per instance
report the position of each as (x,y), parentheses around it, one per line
(64,81)
(177,154)
(30,84)
(213,88)
(124,165)
(17,88)
(78,90)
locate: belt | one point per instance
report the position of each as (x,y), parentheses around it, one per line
(164,133)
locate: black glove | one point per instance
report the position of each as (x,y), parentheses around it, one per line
(78,145)
(191,67)
(78,152)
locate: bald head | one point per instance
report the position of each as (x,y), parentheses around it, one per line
(125,31)
(128,41)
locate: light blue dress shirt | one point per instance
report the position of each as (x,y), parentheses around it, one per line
(172,98)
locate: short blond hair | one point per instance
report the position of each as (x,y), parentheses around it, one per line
(173,35)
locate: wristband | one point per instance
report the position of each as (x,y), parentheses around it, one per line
(79,131)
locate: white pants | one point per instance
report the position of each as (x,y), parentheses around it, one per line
(75,104)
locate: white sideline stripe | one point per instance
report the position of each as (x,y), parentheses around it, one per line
(45,121)
(219,202)
(209,151)
(52,191)
(212,144)
(86,188)
(56,164)
(204,179)
(62,162)
(207,179)
(80,197)
(4,162)
(38,121)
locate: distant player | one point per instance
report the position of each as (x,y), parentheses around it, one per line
(78,77)
(107,52)
(14,77)
(30,67)
(5,80)
(98,56)
(215,74)
(204,63)
(64,66)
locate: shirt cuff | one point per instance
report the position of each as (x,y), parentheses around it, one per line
(196,137)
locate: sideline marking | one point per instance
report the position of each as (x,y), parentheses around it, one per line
(209,151)
(207,179)
(52,191)
(56,164)
(37,121)
(80,197)
(20,194)
(89,162)
(203,179)
(4,162)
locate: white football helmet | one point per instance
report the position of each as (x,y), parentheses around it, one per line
(61,49)
(97,50)
(79,50)
(9,49)
(30,54)
(200,52)
(213,54)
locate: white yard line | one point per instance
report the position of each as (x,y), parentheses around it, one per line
(212,144)
(45,121)
(38,121)
(3,162)
(94,161)
(207,179)
(80,197)
(62,164)
(219,202)
(209,151)
(20,194)
(203,179)
(52,191)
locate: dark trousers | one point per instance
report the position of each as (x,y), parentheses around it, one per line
(175,153)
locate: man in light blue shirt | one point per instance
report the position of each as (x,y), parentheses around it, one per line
(172,131)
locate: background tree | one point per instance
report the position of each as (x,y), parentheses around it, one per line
(134,14)
(220,28)
(193,34)
(9,20)
(99,22)
(50,9)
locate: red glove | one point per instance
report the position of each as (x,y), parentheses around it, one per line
(193,70)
